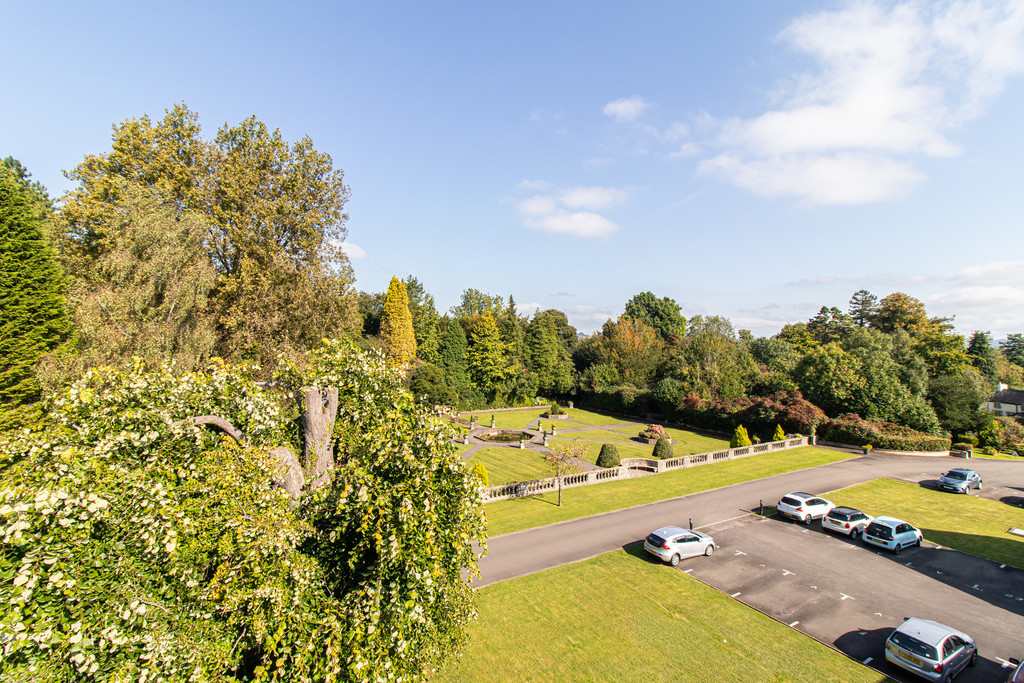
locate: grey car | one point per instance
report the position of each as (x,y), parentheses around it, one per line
(960,480)
(672,543)
(931,650)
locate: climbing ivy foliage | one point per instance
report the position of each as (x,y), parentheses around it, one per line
(137,546)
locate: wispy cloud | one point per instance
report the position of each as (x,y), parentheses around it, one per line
(892,81)
(571,211)
(997,272)
(352,250)
(626,109)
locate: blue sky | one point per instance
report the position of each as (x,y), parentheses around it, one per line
(748,159)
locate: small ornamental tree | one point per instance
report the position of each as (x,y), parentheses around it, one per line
(653,432)
(779,435)
(740,438)
(609,456)
(566,460)
(479,471)
(663,448)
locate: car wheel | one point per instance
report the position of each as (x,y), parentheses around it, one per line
(897,549)
(853,534)
(710,549)
(918,543)
(674,561)
(808,519)
(979,485)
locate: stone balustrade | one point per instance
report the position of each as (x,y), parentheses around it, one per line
(628,465)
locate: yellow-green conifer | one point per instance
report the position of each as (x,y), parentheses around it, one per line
(396,329)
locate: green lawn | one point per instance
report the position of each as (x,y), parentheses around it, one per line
(623,617)
(462,447)
(585,417)
(684,442)
(592,434)
(505,465)
(997,456)
(966,523)
(533,511)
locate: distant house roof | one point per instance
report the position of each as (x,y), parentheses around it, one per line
(1011,396)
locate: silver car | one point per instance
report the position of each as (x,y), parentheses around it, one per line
(960,480)
(672,543)
(930,650)
(891,533)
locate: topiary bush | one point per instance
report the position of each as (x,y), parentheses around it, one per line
(779,434)
(555,409)
(609,456)
(740,438)
(663,449)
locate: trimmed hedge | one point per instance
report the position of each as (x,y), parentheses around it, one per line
(663,449)
(854,430)
(609,456)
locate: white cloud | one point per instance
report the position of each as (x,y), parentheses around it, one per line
(353,251)
(586,318)
(529,308)
(534,185)
(571,211)
(891,81)
(626,109)
(997,308)
(593,197)
(576,224)
(997,272)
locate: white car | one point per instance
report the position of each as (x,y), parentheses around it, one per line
(803,507)
(672,543)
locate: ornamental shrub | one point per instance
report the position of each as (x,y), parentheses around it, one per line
(962,446)
(479,470)
(609,456)
(653,432)
(555,409)
(740,438)
(134,545)
(779,434)
(663,449)
(852,429)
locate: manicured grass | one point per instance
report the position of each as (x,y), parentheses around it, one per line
(585,417)
(623,617)
(966,523)
(592,435)
(463,447)
(533,511)
(997,456)
(506,465)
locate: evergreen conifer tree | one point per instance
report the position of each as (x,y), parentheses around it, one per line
(452,356)
(487,355)
(609,456)
(396,326)
(34,319)
(779,435)
(740,438)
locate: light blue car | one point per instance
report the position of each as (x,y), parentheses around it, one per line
(892,534)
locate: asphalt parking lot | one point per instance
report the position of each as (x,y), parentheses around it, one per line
(851,596)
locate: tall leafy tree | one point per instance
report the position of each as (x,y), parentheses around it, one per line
(146,295)
(275,217)
(718,366)
(632,348)
(474,302)
(863,308)
(425,319)
(547,357)
(829,377)
(396,326)
(830,324)
(34,319)
(487,354)
(452,356)
(661,314)
(900,311)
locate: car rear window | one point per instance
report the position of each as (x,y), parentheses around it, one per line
(956,475)
(841,516)
(791,501)
(914,646)
(879,531)
(655,540)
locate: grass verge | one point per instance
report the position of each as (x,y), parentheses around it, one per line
(965,523)
(623,617)
(506,465)
(585,417)
(533,511)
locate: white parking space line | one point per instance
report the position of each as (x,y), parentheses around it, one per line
(847,597)
(868,660)
(814,587)
(794,624)
(737,594)
(1002,566)
(786,572)
(687,571)
(739,552)
(1005,664)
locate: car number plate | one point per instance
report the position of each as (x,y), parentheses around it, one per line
(910,658)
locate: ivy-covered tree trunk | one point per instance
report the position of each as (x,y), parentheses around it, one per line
(319,409)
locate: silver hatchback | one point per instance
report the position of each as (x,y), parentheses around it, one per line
(672,543)
(930,650)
